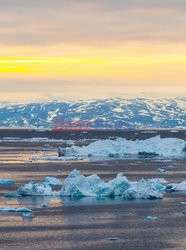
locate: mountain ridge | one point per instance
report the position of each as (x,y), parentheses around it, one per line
(115,113)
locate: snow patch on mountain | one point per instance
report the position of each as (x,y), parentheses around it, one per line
(106,113)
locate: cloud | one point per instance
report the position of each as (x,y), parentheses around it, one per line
(97,22)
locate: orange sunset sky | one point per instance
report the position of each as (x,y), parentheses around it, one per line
(92,49)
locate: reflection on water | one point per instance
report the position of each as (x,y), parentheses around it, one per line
(37,201)
(40,203)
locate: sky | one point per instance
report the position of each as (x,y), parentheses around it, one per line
(84,49)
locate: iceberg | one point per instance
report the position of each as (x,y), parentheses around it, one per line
(142,190)
(6,182)
(121,147)
(34,188)
(77,185)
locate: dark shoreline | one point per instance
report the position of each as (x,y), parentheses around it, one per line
(94,134)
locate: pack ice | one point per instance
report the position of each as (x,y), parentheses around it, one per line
(154,146)
(77,185)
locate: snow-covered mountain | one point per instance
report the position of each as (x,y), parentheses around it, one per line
(115,112)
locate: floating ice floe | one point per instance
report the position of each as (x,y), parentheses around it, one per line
(12,195)
(183,203)
(160,170)
(112,238)
(43,205)
(77,185)
(121,147)
(27,216)
(12,209)
(6,182)
(152,218)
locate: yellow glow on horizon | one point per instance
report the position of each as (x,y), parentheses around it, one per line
(114,66)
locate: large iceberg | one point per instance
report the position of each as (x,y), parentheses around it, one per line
(77,185)
(155,146)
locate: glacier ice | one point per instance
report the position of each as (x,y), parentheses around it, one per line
(121,147)
(77,185)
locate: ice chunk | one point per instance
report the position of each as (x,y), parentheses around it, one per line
(6,182)
(61,152)
(112,238)
(152,218)
(160,170)
(33,188)
(157,180)
(120,184)
(157,183)
(12,195)
(183,202)
(177,187)
(27,216)
(77,185)
(11,209)
(43,205)
(53,181)
(155,146)
(142,190)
